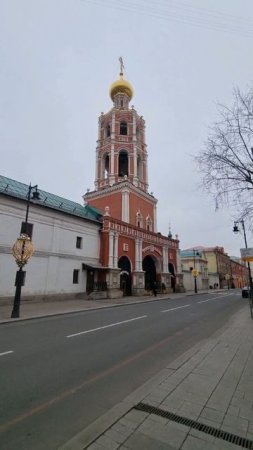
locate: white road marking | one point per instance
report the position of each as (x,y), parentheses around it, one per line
(217,293)
(214,298)
(6,353)
(173,309)
(106,326)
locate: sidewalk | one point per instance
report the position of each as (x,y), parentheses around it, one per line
(30,309)
(203,400)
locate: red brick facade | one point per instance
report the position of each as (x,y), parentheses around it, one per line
(239,273)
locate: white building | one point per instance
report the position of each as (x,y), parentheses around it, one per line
(66,237)
(194,259)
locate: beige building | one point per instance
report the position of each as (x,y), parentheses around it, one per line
(219,267)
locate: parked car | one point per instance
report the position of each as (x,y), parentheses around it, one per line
(245,291)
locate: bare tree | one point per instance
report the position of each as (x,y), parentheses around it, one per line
(226,164)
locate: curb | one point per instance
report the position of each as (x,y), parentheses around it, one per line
(21,319)
(147,300)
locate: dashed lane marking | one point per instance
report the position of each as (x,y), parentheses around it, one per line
(173,309)
(106,326)
(214,298)
(6,353)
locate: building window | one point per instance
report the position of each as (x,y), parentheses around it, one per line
(138,134)
(123,128)
(27,228)
(149,223)
(123,163)
(75,276)
(139,220)
(79,242)
(108,131)
(106,163)
(139,168)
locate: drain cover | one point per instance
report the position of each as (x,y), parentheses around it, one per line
(224,435)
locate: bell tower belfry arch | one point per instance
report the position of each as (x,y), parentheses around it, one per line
(121,179)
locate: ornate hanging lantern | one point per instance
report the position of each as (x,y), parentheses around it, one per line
(22,250)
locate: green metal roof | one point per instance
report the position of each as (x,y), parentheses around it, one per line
(190,253)
(20,190)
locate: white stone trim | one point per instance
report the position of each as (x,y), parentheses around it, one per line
(111,249)
(112,168)
(179,269)
(165,260)
(115,250)
(96,168)
(125,206)
(155,219)
(113,122)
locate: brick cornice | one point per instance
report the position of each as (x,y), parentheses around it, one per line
(117,188)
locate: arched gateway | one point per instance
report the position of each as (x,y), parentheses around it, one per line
(125,275)
(149,267)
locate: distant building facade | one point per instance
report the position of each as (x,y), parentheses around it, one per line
(215,268)
(239,273)
(194,259)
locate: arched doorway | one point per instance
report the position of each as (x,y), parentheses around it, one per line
(149,267)
(125,275)
(173,278)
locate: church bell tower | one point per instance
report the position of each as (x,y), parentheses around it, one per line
(121,180)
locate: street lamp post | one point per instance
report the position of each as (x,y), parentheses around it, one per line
(35,196)
(22,250)
(194,270)
(236,230)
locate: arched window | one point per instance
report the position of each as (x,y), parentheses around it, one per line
(106,161)
(108,131)
(149,224)
(138,134)
(123,163)
(123,128)
(139,167)
(139,219)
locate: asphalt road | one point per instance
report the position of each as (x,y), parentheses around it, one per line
(58,374)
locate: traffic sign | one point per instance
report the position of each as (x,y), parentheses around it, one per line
(247,254)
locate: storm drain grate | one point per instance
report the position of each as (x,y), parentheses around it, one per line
(225,436)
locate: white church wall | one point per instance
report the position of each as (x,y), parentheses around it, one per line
(50,269)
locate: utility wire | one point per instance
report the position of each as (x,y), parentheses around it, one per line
(186,17)
(194,9)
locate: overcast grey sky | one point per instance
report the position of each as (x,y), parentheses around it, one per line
(58,59)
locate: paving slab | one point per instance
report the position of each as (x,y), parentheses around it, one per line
(168,434)
(196,443)
(140,441)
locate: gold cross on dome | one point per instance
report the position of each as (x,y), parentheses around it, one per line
(122,67)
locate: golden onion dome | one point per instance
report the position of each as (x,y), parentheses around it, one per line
(121,86)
